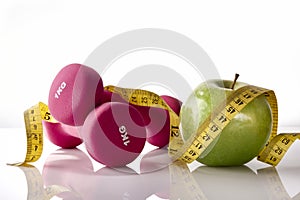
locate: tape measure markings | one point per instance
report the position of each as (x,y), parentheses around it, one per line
(33,118)
(277,147)
(33,123)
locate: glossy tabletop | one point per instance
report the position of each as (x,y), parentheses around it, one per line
(73,174)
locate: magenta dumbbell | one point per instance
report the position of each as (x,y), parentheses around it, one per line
(75,91)
(157,120)
(114,134)
(62,135)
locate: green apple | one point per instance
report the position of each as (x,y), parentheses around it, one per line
(242,139)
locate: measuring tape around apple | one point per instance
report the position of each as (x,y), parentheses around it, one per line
(189,150)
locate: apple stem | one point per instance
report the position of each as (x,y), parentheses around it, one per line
(234,81)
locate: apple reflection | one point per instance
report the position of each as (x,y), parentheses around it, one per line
(229,183)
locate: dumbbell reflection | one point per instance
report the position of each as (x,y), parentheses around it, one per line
(73,169)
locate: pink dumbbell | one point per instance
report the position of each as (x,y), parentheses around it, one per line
(157,120)
(75,91)
(62,135)
(114,134)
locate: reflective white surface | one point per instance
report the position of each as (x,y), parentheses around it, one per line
(72,174)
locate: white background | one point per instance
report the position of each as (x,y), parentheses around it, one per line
(258,39)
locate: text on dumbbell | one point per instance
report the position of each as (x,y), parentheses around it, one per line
(124,135)
(60,90)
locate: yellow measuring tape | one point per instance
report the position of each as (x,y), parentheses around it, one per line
(189,150)
(34,131)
